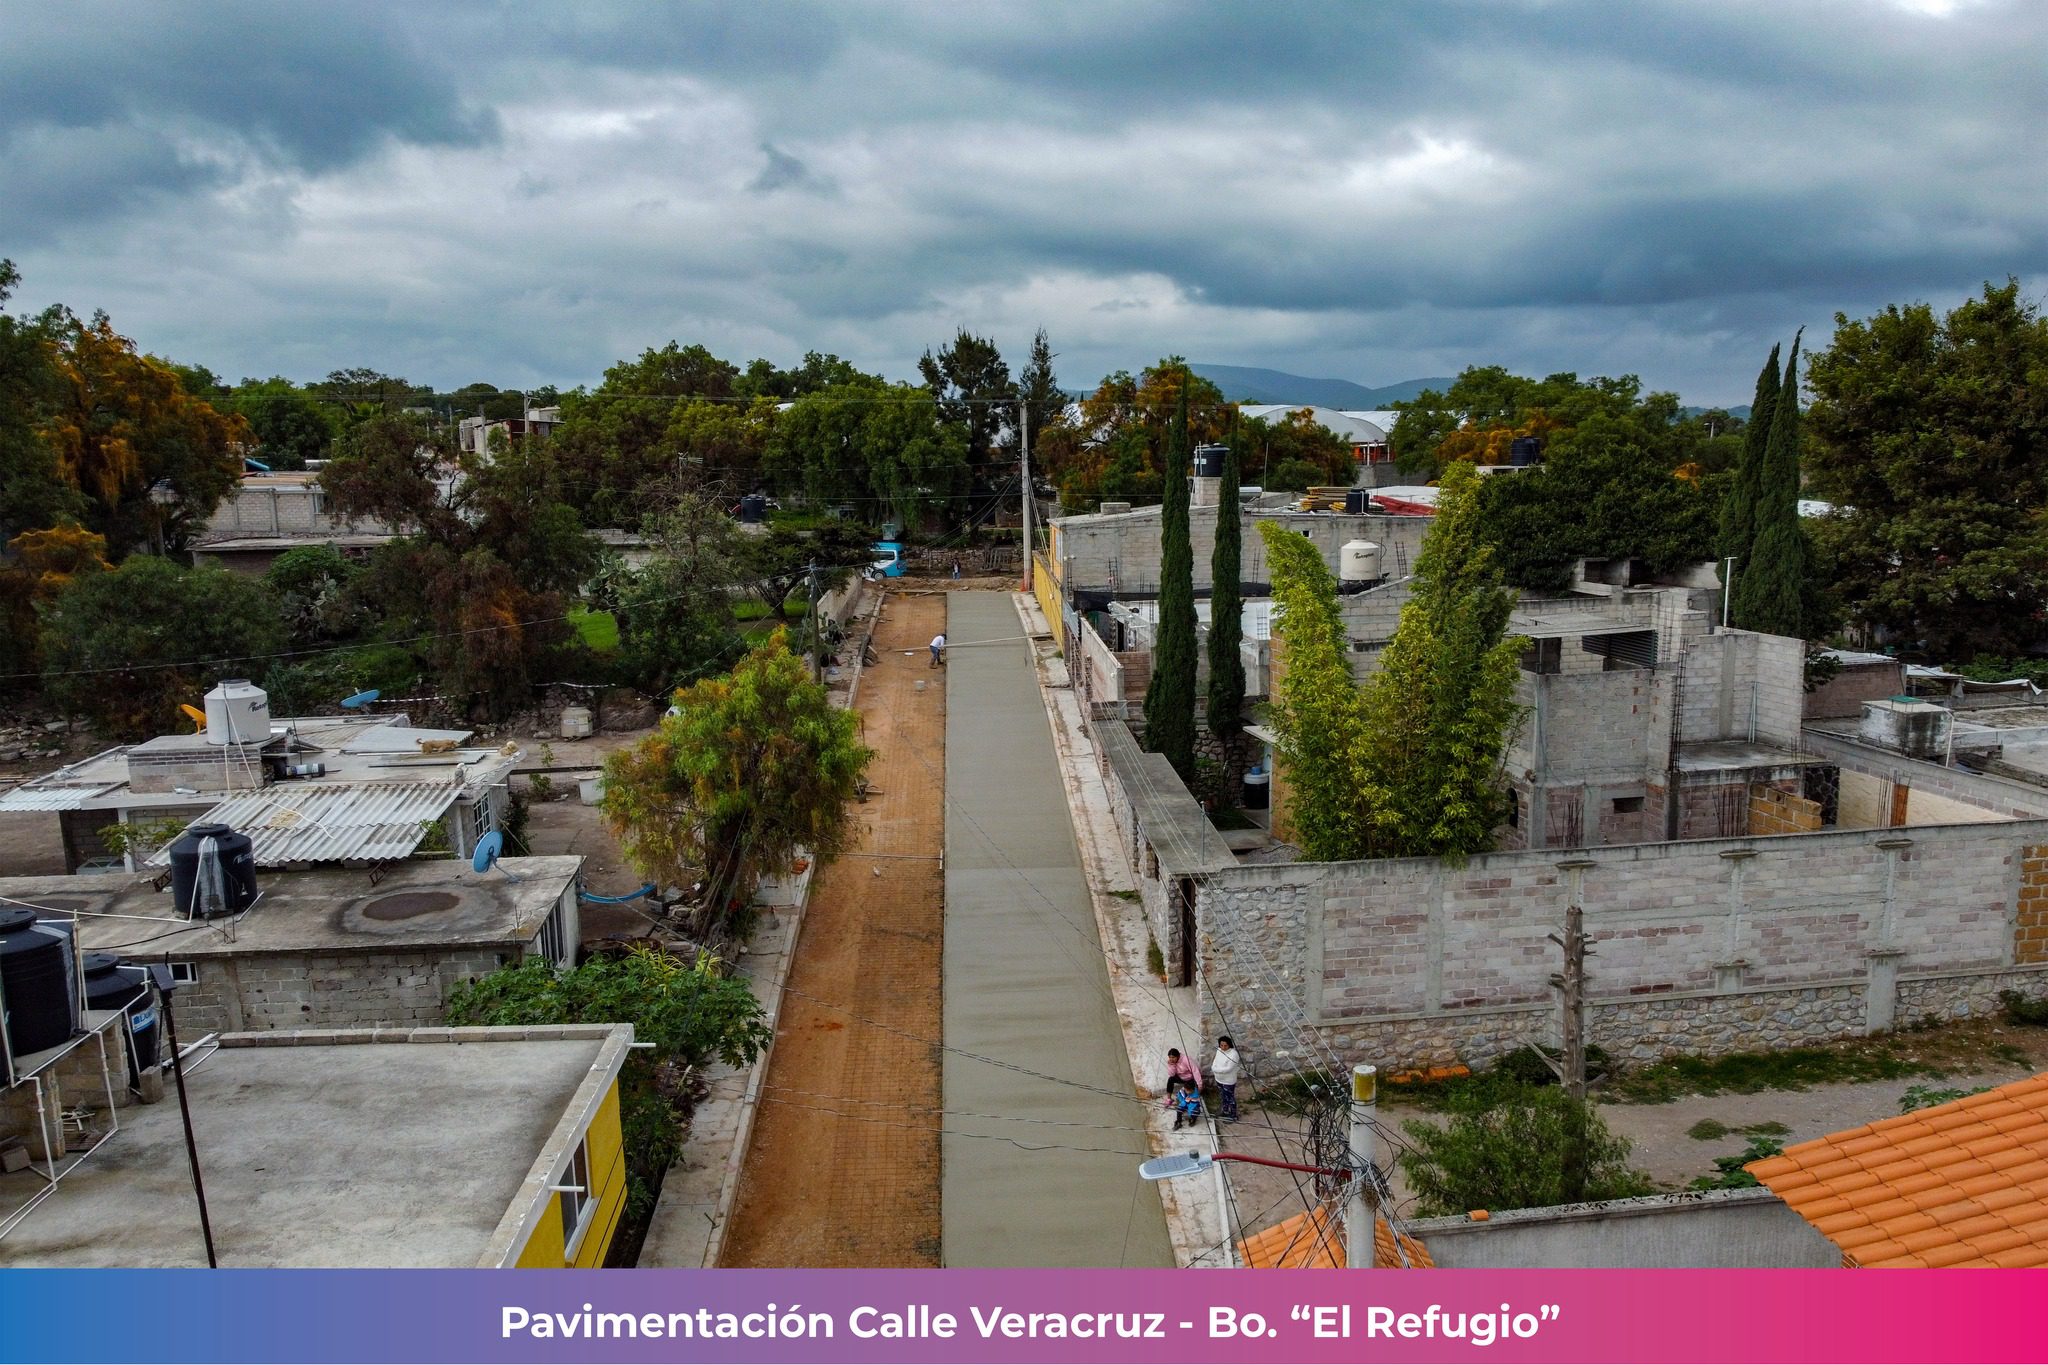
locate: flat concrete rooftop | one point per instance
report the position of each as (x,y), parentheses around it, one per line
(1724,755)
(320,910)
(384,1153)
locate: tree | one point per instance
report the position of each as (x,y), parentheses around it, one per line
(289,425)
(1038,390)
(313,587)
(1772,585)
(1504,1148)
(777,562)
(1226,604)
(882,447)
(45,562)
(1486,408)
(1170,696)
(1931,436)
(120,423)
(123,648)
(1297,452)
(675,615)
(1114,445)
(1738,510)
(1440,710)
(971,380)
(1604,491)
(746,771)
(365,392)
(763,380)
(1317,711)
(685,1013)
(32,491)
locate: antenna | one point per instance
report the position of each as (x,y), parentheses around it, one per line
(489,849)
(362,699)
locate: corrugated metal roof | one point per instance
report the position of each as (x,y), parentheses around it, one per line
(291,823)
(37,796)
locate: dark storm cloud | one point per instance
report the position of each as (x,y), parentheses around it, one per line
(1379,191)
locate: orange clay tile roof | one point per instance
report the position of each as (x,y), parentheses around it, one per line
(1315,1241)
(1963,1182)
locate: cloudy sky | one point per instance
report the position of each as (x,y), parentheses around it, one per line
(523,194)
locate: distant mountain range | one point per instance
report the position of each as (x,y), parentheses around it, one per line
(1245,384)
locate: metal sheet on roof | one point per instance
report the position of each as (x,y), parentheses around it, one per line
(34,796)
(291,823)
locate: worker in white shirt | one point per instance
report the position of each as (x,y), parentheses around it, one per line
(938,649)
(1225,1068)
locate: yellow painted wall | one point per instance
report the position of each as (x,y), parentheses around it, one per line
(1045,586)
(543,1250)
(1866,804)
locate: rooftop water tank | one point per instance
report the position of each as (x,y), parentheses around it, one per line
(754,508)
(1357,501)
(1209,461)
(112,984)
(213,872)
(1358,562)
(237,712)
(1525,450)
(39,980)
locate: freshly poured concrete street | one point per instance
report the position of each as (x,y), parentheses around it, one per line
(1025,984)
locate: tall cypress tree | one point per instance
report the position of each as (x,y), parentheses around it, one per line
(1770,597)
(1226,606)
(1170,698)
(1738,512)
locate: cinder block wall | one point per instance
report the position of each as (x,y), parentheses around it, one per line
(1712,946)
(335,990)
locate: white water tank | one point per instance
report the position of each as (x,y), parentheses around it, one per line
(1358,562)
(237,712)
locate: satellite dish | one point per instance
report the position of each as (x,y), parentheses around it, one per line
(361,699)
(488,850)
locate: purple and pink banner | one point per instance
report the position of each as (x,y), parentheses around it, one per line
(1022,1315)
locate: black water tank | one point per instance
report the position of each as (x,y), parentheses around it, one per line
(111,984)
(1209,461)
(204,898)
(35,974)
(754,508)
(1525,450)
(1358,501)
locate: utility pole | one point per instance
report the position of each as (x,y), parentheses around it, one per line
(1361,1206)
(1024,457)
(811,619)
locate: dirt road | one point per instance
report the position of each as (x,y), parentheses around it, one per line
(844,1167)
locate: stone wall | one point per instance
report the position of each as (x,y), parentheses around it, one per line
(1710,946)
(332,990)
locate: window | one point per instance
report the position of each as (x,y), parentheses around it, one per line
(1514,810)
(553,942)
(184,973)
(575,1200)
(1627,805)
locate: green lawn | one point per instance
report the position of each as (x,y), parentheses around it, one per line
(599,629)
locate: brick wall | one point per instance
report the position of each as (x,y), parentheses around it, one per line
(1708,946)
(354,990)
(2030,925)
(1772,811)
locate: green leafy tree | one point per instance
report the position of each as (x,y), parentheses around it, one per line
(752,768)
(1441,708)
(123,648)
(33,493)
(1226,604)
(881,447)
(675,614)
(1296,452)
(290,425)
(1170,696)
(1930,433)
(763,380)
(971,381)
(690,1012)
(1738,510)
(1773,585)
(1504,1148)
(1115,443)
(361,391)
(313,587)
(1317,711)
(1486,408)
(1038,389)
(779,561)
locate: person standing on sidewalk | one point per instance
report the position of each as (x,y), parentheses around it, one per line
(1226,1068)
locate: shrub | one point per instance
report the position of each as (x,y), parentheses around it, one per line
(1515,1146)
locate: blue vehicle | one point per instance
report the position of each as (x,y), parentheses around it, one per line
(889,561)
